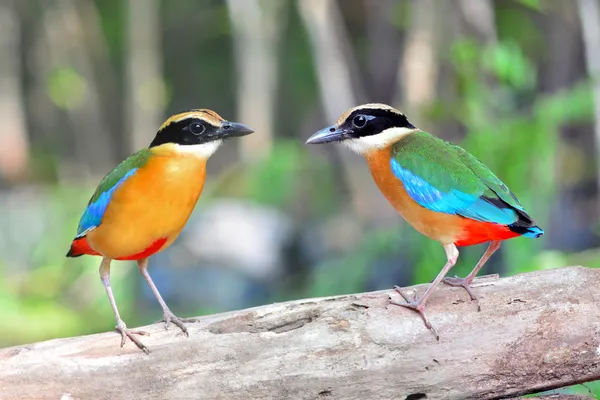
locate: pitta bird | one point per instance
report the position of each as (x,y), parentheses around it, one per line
(141,206)
(439,188)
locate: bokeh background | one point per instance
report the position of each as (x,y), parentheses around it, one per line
(85,83)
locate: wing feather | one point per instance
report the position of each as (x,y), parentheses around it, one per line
(445,178)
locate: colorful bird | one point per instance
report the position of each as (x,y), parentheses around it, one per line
(142,205)
(442,190)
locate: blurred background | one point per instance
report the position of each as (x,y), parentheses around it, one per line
(85,83)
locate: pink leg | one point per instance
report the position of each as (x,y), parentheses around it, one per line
(168,315)
(121,327)
(466,282)
(419,305)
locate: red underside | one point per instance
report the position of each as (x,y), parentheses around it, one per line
(479,232)
(81,246)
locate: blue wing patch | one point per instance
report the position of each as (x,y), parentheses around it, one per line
(92,216)
(452,202)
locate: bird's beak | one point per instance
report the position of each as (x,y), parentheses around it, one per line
(233,129)
(329,134)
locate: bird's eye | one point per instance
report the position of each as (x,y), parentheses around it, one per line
(359,121)
(197,128)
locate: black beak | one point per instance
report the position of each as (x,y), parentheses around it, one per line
(329,134)
(233,129)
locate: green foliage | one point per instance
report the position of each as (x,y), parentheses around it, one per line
(113,28)
(290,175)
(53,296)
(533,4)
(274,181)
(509,65)
(66,88)
(354,266)
(515,143)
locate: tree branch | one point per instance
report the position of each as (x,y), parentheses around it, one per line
(536,331)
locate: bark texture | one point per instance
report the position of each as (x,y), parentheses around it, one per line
(536,331)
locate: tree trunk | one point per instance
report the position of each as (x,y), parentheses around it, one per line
(339,92)
(257,26)
(420,66)
(14,144)
(589,15)
(66,58)
(145,87)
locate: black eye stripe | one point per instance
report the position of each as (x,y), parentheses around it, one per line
(376,121)
(186,132)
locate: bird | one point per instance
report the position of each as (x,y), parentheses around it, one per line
(439,188)
(140,207)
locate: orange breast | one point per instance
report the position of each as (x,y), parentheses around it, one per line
(445,228)
(149,210)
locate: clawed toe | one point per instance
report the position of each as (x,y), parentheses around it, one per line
(405,297)
(464,283)
(417,306)
(126,333)
(456,282)
(169,317)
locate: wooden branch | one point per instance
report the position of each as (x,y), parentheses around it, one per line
(535,331)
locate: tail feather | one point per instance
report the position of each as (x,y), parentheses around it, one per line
(525,226)
(527,231)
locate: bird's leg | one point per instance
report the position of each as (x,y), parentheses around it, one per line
(121,327)
(466,282)
(419,305)
(168,315)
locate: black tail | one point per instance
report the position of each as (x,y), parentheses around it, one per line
(525,226)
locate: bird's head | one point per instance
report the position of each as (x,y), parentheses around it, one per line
(199,132)
(366,127)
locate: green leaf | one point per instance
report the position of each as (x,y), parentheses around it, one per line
(66,88)
(533,4)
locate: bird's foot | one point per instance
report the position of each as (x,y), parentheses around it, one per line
(464,283)
(126,333)
(169,317)
(415,305)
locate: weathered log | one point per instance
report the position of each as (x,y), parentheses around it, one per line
(558,397)
(536,331)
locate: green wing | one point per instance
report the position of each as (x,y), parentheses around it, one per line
(445,178)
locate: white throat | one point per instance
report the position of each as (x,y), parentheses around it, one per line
(365,144)
(204,150)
